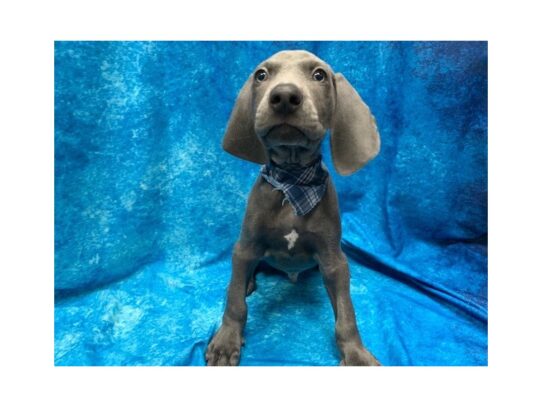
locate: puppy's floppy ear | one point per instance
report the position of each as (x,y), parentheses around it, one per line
(354,135)
(241,139)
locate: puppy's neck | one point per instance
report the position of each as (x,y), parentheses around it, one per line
(293,157)
(295,166)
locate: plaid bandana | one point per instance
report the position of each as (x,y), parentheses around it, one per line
(303,188)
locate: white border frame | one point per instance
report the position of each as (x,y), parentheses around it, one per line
(28,32)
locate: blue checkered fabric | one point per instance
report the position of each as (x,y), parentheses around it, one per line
(303,188)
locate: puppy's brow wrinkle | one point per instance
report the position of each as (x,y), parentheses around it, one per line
(271,66)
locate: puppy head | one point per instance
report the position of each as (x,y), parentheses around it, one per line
(285,107)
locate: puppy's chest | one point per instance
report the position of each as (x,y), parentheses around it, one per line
(288,249)
(283,232)
(290,240)
(287,235)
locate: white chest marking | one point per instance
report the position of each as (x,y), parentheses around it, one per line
(291,238)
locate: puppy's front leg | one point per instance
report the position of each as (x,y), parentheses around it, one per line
(225,347)
(334,268)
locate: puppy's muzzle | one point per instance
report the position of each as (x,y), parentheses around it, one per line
(285,135)
(285,98)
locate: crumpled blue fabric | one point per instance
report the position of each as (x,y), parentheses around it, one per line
(148,206)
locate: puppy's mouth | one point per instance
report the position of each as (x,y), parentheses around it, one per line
(285,135)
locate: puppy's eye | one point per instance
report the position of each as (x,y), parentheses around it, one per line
(319,75)
(260,75)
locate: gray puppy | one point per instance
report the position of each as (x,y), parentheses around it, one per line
(280,119)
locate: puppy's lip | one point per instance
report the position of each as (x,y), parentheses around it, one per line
(286,126)
(285,135)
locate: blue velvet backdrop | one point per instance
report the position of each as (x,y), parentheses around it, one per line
(148,206)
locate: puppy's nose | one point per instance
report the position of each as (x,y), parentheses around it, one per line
(285,98)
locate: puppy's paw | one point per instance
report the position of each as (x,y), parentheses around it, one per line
(225,347)
(358,356)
